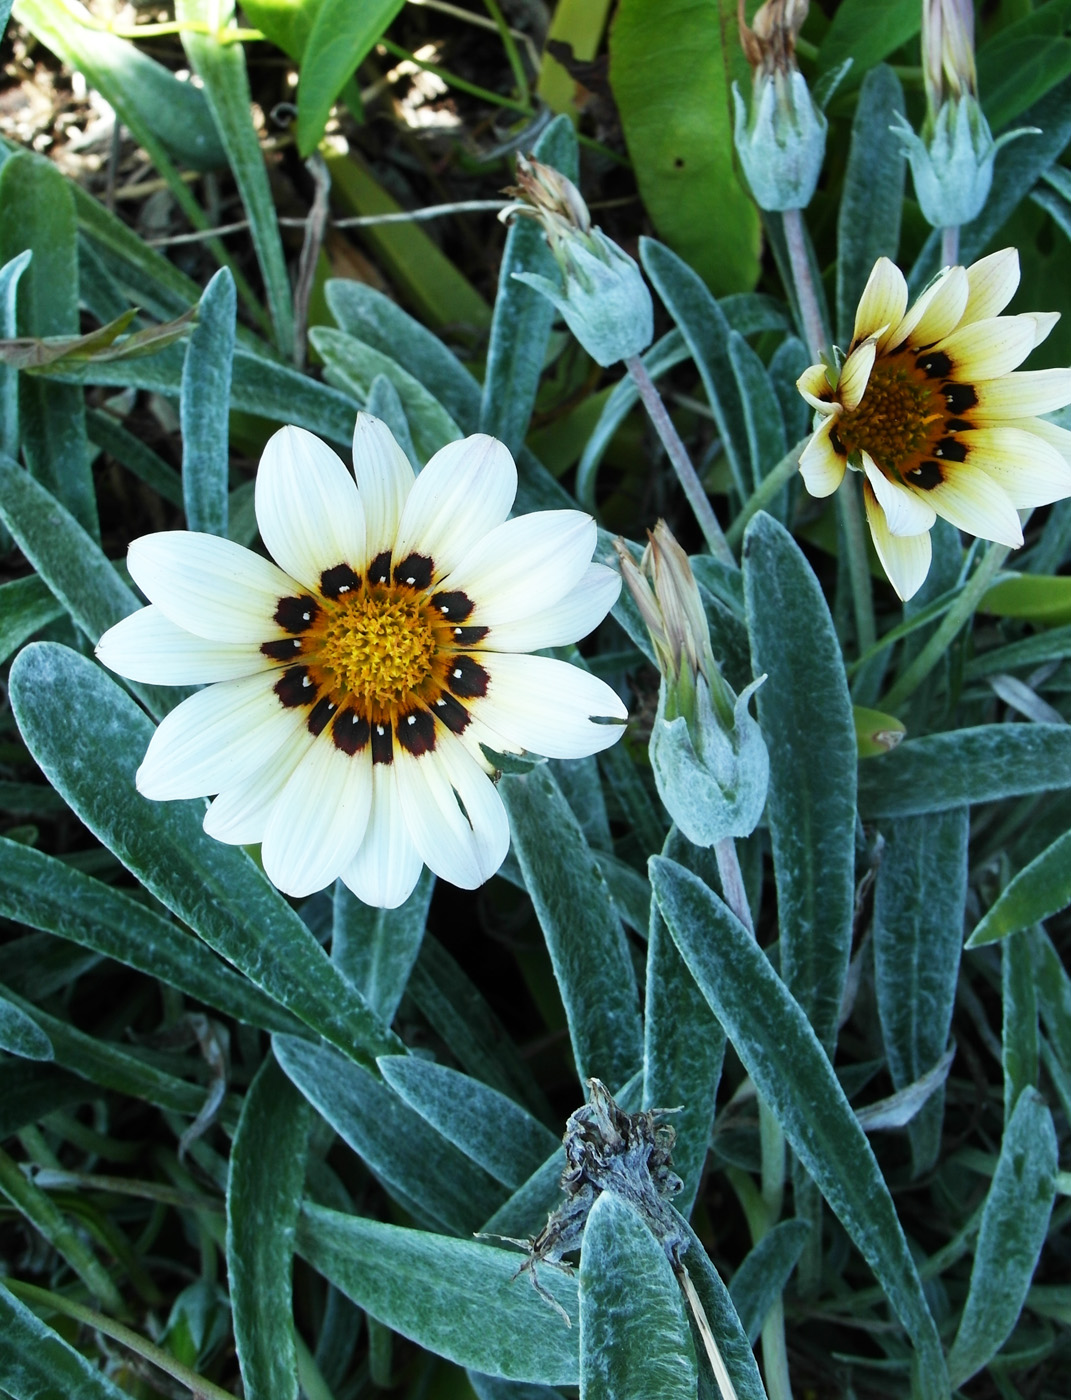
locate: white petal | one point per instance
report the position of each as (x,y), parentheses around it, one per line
(210,586)
(569,620)
(1031,469)
(1057,437)
(466,846)
(906,512)
(992,282)
(814,386)
(388,865)
(855,374)
(988,348)
(973,501)
(905,558)
(1045,324)
(239,815)
(881,307)
(821,466)
(217,738)
(525,565)
(147,646)
(1022,395)
(319,819)
(465,490)
(308,510)
(384,479)
(547,706)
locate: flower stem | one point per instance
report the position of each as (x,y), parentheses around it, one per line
(950,245)
(814,331)
(854,534)
(682,464)
(960,611)
(766,490)
(198,1386)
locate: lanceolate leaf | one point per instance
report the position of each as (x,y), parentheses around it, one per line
(204,408)
(779,1050)
(341,38)
(1041,889)
(1014,1222)
(36,1362)
(458,1298)
(59,698)
(264,1190)
(806,716)
(761,1278)
(634,1337)
(375,948)
(21,1035)
(584,934)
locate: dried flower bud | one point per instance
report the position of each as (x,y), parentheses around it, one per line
(709,758)
(601,295)
(782,143)
(948,51)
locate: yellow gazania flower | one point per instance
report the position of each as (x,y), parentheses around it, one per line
(927,407)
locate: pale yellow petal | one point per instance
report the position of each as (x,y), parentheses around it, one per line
(821,467)
(1022,395)
(1055,436)
(883,301)
(905,558)
(937,312)
(1044,321)
(814,386)
(992,282)
(973,501)
(855,374)
(987,349)
(1030,470)
(906,512)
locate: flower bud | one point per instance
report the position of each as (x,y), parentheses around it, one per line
(709,758)
(782,143)
(601,293)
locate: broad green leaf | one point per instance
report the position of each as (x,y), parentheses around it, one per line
(341,38)
(706,333)
(415,1163)
(1041,889)
(264,1190)
(919,902)
(375,948)
(10,273)
(1014,1223)
(810,734)
(1022,61)
(868,220)
(40,1211)
(37,211)
(792,1073)
(20,1034)
(866,33)
(585,938)
(520,326)
(204,408)
(45,893)
(762,1277)
(148,93)
(494,1388)
(37,1364)
(1019,1037)
(26,605)
(58,697)
(670,67)
(1040,598)
(225,83)
(762,413)
(981,764)
(457,1011)
(352,366)
(490,1129)
(684,1045)
(457,1298)
(634,1336)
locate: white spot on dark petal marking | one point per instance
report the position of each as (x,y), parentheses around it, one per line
(306,682)
(305,617)
(344,589)
(410,719)
(380,729)
(440,702)
(457,630)
(457,674)
(297,643)
(444,610)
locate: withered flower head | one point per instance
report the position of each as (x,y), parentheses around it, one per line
(769,43)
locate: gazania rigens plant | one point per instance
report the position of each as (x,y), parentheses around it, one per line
(359,682)
(927,407)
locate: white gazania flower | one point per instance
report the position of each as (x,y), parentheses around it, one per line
(927,406)
(355,681)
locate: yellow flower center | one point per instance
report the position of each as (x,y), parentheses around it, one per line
(376,646)
(899,416)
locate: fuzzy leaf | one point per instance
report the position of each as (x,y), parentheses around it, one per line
(204,408)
